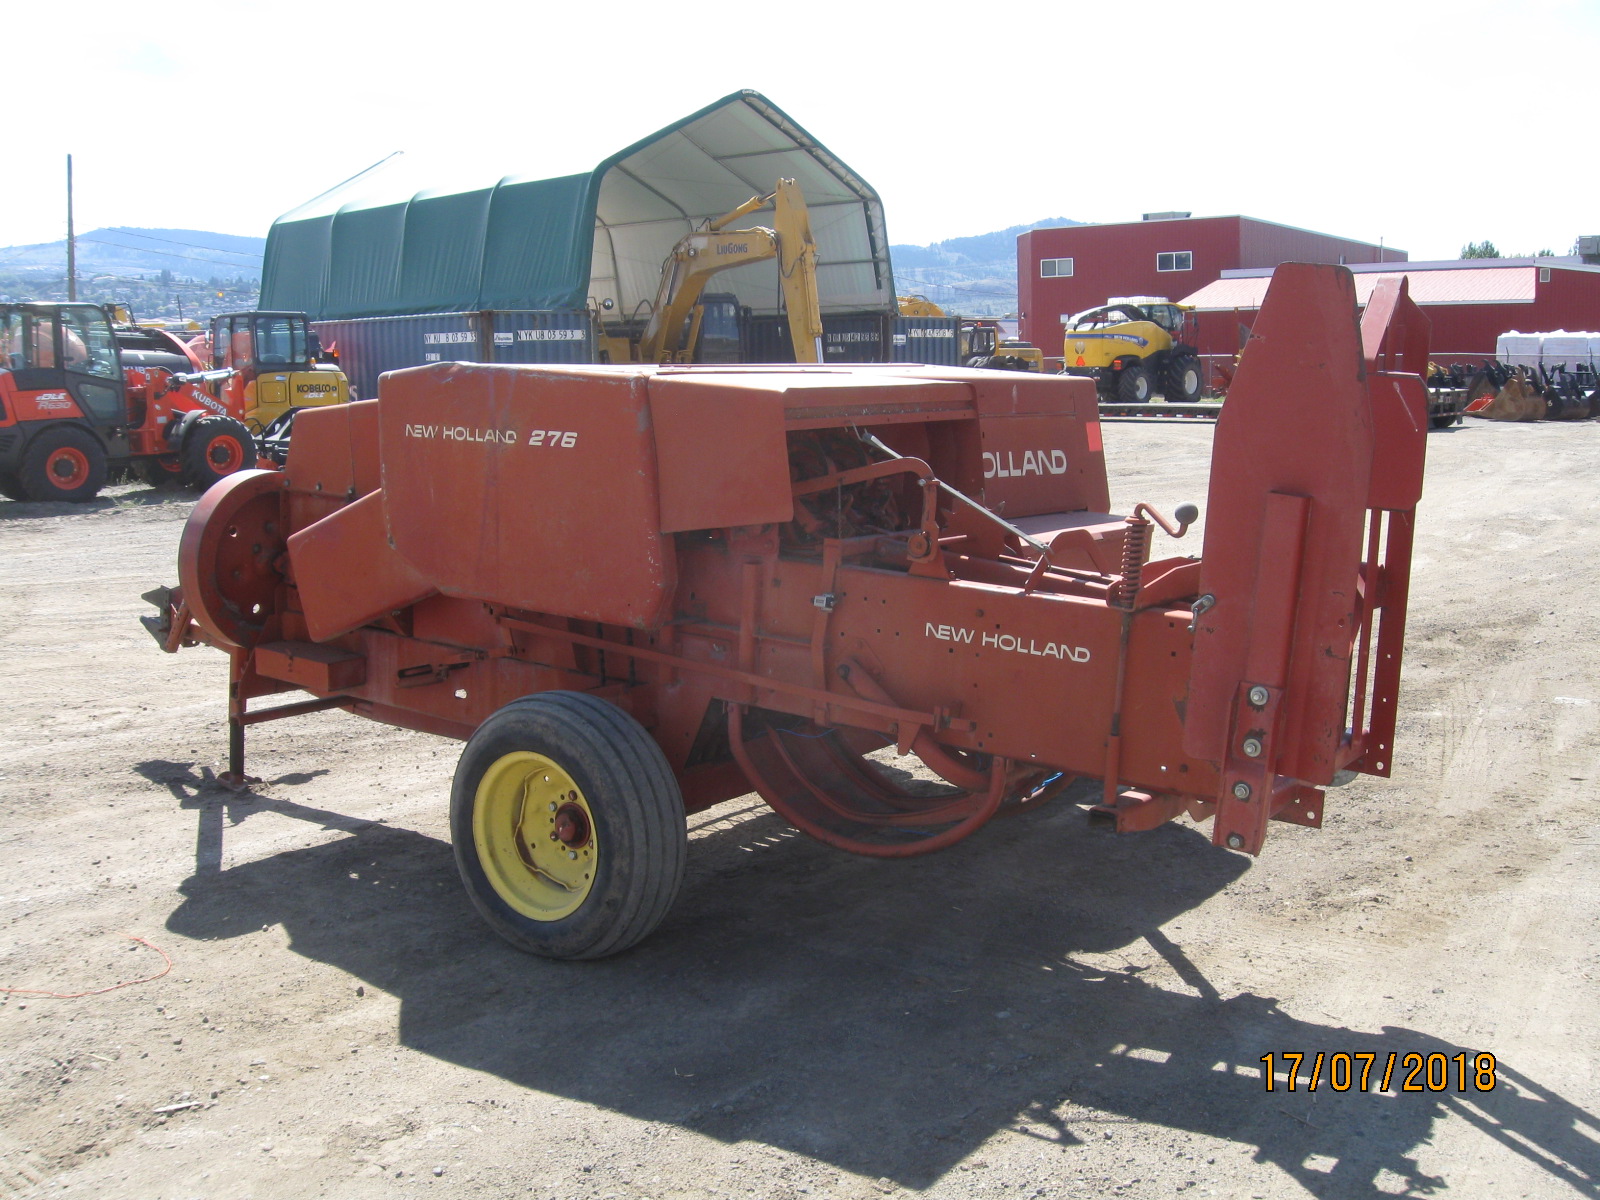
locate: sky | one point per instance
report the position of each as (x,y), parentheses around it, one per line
(1425,125)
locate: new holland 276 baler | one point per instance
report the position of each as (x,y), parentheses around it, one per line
(636,592)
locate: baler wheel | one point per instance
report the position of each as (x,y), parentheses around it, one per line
(568,826)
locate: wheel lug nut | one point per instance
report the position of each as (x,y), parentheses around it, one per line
(572,854)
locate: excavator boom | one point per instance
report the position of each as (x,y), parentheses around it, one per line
(706,252)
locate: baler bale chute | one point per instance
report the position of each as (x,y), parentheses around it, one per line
(637,592)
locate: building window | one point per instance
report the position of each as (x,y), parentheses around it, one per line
(1544,274)
(1177,260)
(1055,268)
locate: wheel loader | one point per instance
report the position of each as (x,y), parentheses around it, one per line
(635,592)
(1133,348)
(78,400)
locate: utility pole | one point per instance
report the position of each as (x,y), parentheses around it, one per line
(72,255)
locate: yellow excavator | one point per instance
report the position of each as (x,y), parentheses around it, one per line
(673,330)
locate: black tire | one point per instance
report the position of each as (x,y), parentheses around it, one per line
(1133,384)
(982,362)
(161,471)
(616,782)
(11,487)
(63,463)
(214,448)
(1183,380)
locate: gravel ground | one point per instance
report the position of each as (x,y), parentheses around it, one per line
(1045,1010)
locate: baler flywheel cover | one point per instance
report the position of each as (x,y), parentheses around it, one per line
(229,556)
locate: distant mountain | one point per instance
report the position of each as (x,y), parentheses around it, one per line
(138,253)
(165,274)
(975,276)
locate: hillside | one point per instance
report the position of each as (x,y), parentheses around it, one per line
(974,276)
(161,273)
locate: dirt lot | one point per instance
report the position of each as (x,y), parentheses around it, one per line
(1046,1010)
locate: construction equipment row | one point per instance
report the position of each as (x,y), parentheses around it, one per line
(81,397)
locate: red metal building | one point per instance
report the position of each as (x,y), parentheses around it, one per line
(1066,270)
(1471,302)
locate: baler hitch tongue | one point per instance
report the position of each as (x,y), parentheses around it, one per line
(170,625)
(1315,475)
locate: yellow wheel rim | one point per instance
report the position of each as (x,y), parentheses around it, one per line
(534,834)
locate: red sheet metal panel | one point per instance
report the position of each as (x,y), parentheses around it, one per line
(348,571)
(530,487)
(337,458)
(722,455)
(1312,439)
(320,669)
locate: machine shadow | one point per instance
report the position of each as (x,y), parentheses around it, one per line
(144,497)
(885,1018)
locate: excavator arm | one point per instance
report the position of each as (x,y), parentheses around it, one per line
(706,252)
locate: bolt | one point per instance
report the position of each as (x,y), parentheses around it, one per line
(1241,791)
(1235,842)
(1258,696)
(1252,747)
(572,854)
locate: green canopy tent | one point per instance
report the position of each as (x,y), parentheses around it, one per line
(378,247)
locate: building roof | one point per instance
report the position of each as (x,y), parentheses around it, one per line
(379,245)
(1564,262)
(1165,220)
(1463,285)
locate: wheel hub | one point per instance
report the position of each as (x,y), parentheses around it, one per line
(67,468)
(571,826)
(535,836)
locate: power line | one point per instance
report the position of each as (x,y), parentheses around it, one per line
(961,291)
(173,242)
(167,253)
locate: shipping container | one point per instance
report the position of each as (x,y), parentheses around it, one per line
(935,341)
(863,338)
(369,346)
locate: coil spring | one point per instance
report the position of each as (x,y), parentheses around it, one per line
(1135,541)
